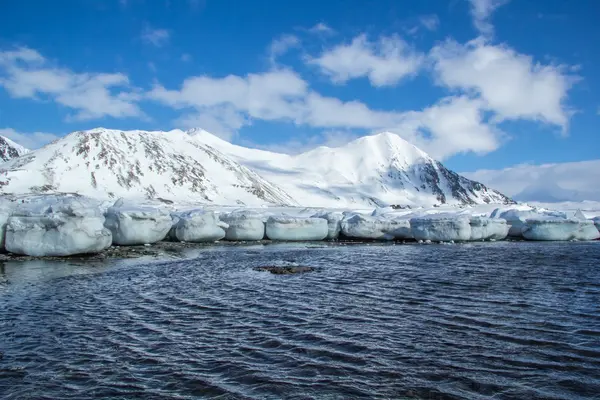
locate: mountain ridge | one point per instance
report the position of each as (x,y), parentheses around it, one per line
(197,166)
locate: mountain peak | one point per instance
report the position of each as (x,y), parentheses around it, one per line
(10,149)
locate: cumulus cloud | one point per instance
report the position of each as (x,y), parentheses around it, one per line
(384,62)
(155,37)
(25,73)
(223,121)
(481,11)
(511,84)
(30,141)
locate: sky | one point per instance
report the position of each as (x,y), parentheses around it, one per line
(479,84)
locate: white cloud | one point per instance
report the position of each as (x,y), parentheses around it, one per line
(481,11)
(30,141)
(155,37)
(430,22)
(282,45)
(574,181)
(321,28)
(511,84)
(25,73)
(223,121)
(384,62)
(268,96)
(454,125)
(185,57)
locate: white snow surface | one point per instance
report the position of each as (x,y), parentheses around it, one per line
(104,163)
(361,226)
(371,171)
(199,226)
(132,225)
(561,229)
(286,228)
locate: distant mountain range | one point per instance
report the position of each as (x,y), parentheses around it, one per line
(196,166)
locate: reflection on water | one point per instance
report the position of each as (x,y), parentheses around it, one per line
(510,320)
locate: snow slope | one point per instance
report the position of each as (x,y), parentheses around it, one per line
(10,149)
(105,163)
(549,183)
(371,171)
(198,167)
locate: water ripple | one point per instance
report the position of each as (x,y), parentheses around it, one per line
(502,320)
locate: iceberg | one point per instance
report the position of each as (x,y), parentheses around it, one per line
(597,222)
(442,228)
(359,226)
(483,228)
(244,226)
(559,229)
(199,226)
(334,220)
(296,228)
(4,215)
(131,225)
(56,234)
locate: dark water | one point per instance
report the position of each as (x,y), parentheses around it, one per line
(502,320)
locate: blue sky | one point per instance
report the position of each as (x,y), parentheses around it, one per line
(481,84)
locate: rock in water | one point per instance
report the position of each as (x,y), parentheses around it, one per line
(296,229)
(244,226)
(137,225)
(285,270)
(483,228)
(559,229)
(334,226)
(360,226)
(441,228)
(69,226)
(199,226)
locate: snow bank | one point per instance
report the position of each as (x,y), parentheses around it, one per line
(483,228)
(199,226)
(294,228)
(516,218)
(244,226)
(334,220)
(560,229)
(132,225)
(56,234)
(360,226)
(441,228)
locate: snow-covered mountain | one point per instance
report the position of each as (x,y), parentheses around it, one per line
(196,166)
(10,149)
(372,170)
(138,164)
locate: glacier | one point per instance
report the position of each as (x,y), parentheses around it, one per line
(334,226)
(57,226)
(359,226)
(483,228)
(559,229)
(244,226)
(441,228)
(199,226)
(286,228)
(133,225)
